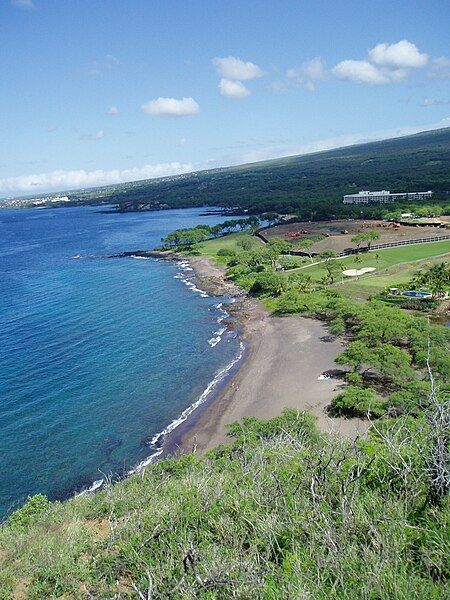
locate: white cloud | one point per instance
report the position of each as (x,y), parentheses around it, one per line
(402,55)
(440,67)
(93,136)
(233,89)
(313,69)
(113,110)
(64,180)
(236,69)
(433,102)
(23,3)
(171,107)
(309,72)
(360,71)
(386,63)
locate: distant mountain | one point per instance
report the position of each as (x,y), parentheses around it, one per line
(307,183)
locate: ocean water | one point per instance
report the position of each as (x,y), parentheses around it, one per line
(97,355)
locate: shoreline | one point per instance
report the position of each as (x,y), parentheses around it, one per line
(277,367)
(280,368)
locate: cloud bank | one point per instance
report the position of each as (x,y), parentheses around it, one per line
(64,180)
(171,107)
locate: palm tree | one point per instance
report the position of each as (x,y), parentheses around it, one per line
(435,277)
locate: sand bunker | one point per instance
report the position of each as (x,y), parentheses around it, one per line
(357,272)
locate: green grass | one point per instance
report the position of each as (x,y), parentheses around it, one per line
(284,513)
(386,258)
(228,242)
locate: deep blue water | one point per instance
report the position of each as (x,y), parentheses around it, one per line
(96,355)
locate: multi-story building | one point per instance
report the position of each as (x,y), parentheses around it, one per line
(384,196)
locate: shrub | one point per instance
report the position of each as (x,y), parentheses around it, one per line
(337,326)
(226,252)
(25,516)
(358,402)
(268,283)
(354,377)
(293,301)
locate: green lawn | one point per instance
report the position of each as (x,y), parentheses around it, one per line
(211,247)
(384,259)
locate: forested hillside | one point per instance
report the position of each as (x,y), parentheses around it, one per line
(311,184)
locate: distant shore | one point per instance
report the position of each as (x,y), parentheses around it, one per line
(285,356)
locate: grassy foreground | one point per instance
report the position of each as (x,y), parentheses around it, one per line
(282,513)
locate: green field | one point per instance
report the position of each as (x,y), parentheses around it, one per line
(394,266)
(384,259)
(228,242)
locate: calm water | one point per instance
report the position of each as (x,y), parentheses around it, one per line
(96,355)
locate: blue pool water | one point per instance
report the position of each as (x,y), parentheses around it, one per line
(416,294)
(96,355)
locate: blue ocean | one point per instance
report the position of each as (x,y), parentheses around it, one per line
(97,355)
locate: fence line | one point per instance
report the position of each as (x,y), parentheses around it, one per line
(350,251)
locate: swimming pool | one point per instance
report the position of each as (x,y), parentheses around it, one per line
(416,294)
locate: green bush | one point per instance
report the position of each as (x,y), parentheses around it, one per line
(337,326)
(358,402)
(354,377)
(226,252)
(268,283)
(25,516)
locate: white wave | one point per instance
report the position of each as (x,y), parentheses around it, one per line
(141,257)
(98,483)
(220,376)
(185,275)
(217,336)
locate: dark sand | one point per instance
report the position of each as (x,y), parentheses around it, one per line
(286,355)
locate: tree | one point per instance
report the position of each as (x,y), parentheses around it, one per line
(332,267)
(246,243)
(270,217)
(383,325)
(393,363)
(358,239)
(358,402)
(305,245)
(435,277)
(268,283)
(355,355)
(371,236)
(301,282)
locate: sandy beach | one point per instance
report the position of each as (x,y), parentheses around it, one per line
(285,357)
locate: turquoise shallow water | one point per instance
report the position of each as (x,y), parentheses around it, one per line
(96,355)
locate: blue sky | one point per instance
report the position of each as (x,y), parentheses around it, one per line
(98,91)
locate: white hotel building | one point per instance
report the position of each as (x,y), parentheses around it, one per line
(384,196)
